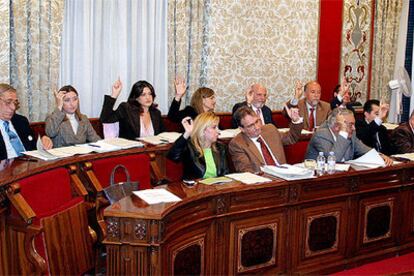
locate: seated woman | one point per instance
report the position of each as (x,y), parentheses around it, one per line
(203,100)
(67,125)
(139,116)
(198,149)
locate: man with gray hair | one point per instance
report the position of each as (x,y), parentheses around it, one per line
(338,135)
(402,138)
(16,135)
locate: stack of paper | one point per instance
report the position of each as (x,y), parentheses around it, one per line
(409,156)
(162,138)
(288,172)
(229,133)
(155,196)
(248,178)
(303,132)
(215,180)
(371,159)
(390,126)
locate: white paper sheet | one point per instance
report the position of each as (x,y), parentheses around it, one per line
(229,133)
(288,172)
(162,138)
(371,159)
(248,178)
(155,196)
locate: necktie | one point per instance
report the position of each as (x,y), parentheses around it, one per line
(258,112)
(266,153)
(14,140)
(311,119)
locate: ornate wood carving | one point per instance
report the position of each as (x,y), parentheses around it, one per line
(322,232)
(378,221)
(256,247)
(140,229)
(189,258)
(112,228)
(221,205)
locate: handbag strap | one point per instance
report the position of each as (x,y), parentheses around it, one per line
(113,173)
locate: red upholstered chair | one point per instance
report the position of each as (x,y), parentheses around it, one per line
(49,209)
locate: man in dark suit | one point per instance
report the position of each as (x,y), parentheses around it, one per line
(338,136)
(313,111)
(258,145)
(16,135)
(370,129)
(402,138)
(256,97)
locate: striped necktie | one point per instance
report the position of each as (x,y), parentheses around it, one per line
(14,139)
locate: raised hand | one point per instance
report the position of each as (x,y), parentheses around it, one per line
(180,88)
(187,123)
(298,89)
(116,88)
(249,95)
(59,95)
(344,87)
(383,111)
(292,112)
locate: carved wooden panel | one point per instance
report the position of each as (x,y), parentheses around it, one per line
(189,258)
(3,242)
(257,243)
(378,221)
(322,233)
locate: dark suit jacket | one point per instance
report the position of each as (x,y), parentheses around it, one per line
(176,115)
(266,111)
(247,158)
(194,166)
(26,135)
(336,102)
(367,133)
(402,139)
(322,111)
(127,115)
(347,149)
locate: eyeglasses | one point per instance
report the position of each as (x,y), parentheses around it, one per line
(252,125)
(9,102)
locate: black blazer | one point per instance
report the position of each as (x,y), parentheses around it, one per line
(266,111)
(176,115)
(127,114)
(195,167)
(26,135)
(336,102)
(367,134)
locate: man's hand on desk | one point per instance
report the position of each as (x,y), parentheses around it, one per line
(388,161)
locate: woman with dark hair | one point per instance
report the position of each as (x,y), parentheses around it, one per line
(67,125)
(203,100)
(139,116)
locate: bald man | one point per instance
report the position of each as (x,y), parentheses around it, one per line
(311,104)
(256,97)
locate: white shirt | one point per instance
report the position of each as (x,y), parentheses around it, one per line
(261,113)
(144,132)
(73,122)
(259,148)
(11,153)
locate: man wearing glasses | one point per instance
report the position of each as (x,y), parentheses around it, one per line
(338,135)
(16,134)
(257,144)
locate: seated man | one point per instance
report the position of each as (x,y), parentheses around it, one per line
(338,135)
(402,138)
(256,97)
(258,145)
(16,135)
(342,97)
(311,108)
(370,129)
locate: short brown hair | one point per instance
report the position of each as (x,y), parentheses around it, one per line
(198,96)
(243,112)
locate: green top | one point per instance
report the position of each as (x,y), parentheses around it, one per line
(211,170)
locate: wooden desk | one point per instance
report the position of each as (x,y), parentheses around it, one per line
(313,226)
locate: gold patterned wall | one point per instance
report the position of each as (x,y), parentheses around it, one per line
(356,41)
(239,42)
(4,42)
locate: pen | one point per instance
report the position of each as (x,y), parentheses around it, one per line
(93,145)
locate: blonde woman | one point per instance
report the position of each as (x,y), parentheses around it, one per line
(66,126)
(203,100)
(198,149)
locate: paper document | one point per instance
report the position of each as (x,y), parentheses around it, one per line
(155,196)
(390,126)
(288,172)
(111,145)
(371,159)
(229,133)
(408,156)
(216,180)
(303,132)
(41,153)
(162,138)
(248,178)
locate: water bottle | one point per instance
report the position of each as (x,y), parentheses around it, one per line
(320,164)
(331,162)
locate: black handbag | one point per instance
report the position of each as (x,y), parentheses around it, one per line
(117,191)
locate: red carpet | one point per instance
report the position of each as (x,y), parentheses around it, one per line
(396,265)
